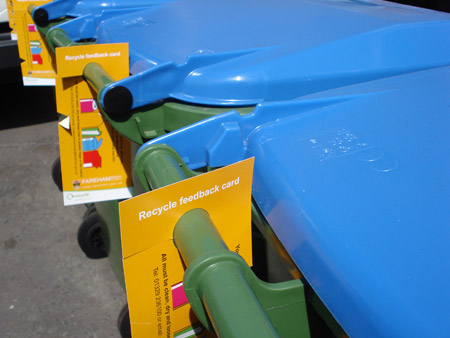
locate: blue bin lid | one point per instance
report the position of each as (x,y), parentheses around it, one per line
(86,15)
(237,53)
(76,8)
(354,182)
(359,195)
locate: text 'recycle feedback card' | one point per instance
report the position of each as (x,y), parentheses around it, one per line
(152,264)
(38,67)
(95,158)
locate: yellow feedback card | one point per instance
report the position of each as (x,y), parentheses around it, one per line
(95,158)
(38,67)
(153,266)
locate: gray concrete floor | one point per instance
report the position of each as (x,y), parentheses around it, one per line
(48,287)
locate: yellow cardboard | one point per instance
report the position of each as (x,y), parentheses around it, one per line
(152,264)
(12,22)
(38,67)
(95,158)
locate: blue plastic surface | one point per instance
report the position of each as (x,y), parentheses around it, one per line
(354,182)
(76,8)
(88,14)
(238,53)
(360,198)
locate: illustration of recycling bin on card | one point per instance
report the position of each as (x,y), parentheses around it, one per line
(36,50)
(91,145)
(91,157)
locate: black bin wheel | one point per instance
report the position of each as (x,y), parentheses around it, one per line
(123,322)
(90,237)
(56,173)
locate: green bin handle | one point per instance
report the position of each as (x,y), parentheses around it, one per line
(215,280)
(57,37)
(30,8)
(118,100)
(159,165)
(96,76)
(223,291)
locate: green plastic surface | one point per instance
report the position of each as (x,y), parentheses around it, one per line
(226,295)
(57,37)
(152,121)
(96,76)
(159,165)
(45,29)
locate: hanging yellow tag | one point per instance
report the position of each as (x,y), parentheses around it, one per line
(153,267)
(38,67)
(95,158)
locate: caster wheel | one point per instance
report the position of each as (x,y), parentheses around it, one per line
(90,237)
(56,173)
(123,322)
